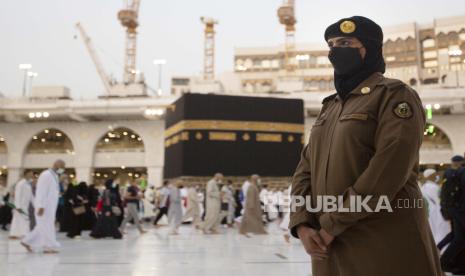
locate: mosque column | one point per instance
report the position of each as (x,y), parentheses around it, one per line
(155,176)
(85,135)
(84,174)
(14,174)
(15,160)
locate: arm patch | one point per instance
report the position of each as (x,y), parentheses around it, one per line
(403,110)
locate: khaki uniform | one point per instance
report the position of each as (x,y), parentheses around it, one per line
(252,221)
(368,145)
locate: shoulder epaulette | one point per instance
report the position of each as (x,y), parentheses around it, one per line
(329,98)
(391,84)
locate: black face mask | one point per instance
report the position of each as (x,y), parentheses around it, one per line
(349,67)
(345,60)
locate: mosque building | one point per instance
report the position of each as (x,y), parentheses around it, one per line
(116,136)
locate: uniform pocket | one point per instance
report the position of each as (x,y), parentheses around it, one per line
(354,116)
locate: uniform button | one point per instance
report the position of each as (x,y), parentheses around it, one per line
(365,90)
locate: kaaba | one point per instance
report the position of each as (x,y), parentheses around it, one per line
(234,135)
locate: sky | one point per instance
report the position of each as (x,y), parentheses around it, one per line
(43,33)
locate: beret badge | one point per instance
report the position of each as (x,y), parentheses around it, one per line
(347,27)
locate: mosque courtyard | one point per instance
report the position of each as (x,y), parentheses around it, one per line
(190,253)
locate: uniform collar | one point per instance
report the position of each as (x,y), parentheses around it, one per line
(368,83)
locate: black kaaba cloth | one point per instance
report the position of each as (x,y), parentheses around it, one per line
(237,136)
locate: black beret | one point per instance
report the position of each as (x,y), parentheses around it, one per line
(457,158)
(356,26)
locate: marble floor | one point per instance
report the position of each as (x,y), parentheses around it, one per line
(157,253)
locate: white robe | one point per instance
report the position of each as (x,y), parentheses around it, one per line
(23,197)
(285,202)
(228,198)
(193,207)
(149,197)
(174,209)
(212,215)
(245,186)
(43,236)
(3,193)
(439,226)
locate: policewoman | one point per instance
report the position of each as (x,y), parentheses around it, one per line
(365,142)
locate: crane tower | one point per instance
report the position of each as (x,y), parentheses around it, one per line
(133,83)
(286,15)
(90,48)
(209,48)
(128,17)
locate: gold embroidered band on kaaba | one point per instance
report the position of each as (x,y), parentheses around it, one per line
(223,130)
(234,125)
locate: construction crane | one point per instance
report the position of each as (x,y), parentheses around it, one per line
(90,48)
(209,48)
(131,85)
(286,15)
(128,17)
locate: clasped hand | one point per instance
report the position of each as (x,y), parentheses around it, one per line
(316,243)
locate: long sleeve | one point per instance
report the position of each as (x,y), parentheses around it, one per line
(24,195)
(19,194)
(253,198)
(431,192)
(212,190)
(43,190)
(398,137)
(301,186)
(31,197)
(2,195)
(231,197)
(193,197)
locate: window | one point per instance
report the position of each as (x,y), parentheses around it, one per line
(266,63)
(410,58)
(411,45)
(390,58)
(430,63)
(248,63)
(275,63)
(323,85)
(430,54)
(429,42)
(120,140)
(454,48)
(50,141)
(462,36)
(322,60)
(180,81)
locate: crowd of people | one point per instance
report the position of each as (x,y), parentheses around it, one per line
(444,194)
(37,207)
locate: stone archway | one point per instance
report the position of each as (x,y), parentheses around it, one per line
(436,147)
(119,153)
(45,147)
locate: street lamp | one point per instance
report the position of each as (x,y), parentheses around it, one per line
(159,63)
(456,53)
(25,67)
(32,76)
